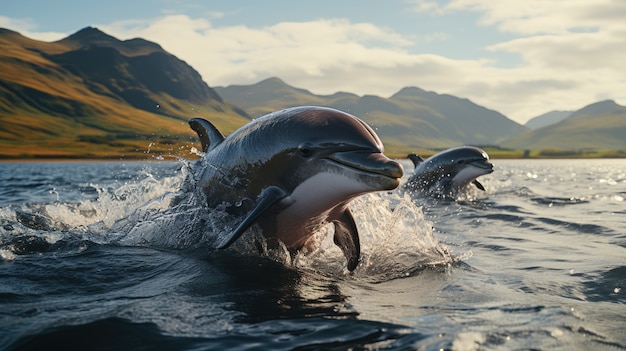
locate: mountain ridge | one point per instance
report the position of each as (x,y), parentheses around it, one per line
(547,119)
(413,117)
(598,108)
(91,36)
(600,125)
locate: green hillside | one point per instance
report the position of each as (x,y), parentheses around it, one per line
(91,95)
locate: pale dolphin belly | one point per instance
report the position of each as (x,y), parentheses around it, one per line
(310,204)
(468,174)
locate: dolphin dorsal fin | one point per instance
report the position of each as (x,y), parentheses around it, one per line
(209,135)
(416,159)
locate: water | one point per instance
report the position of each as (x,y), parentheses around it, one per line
(92,258)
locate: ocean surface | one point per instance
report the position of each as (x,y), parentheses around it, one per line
(91,258)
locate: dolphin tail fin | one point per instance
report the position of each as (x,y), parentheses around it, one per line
(267,198)
(478,185)
(209,135)
(347,238)
(416,159)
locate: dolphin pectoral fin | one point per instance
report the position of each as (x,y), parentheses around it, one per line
(267,198)
(209,135)
(478,185)
(347,238)
(416,159)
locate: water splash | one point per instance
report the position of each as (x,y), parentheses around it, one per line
(396,239)
(88,218)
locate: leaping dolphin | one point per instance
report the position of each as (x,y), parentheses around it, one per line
(444,173)
(292,172)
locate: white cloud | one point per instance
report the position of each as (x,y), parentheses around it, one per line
(532,17)
(27,27)
(240,54)
(427,6)
(574,49)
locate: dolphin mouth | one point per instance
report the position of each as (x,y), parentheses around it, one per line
(482,164)
(369,162)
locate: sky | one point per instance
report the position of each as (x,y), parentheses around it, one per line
(520,58)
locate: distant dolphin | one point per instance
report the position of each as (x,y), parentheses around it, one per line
(444,173)
(292,172)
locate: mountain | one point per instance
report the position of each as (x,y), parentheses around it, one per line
(547,119)
(92,94)
(601,125)
(266,96)
(412,118)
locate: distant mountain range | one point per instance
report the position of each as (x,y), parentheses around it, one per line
(416,119)
(411,118)
(601,125)
(547,119)
(92,95)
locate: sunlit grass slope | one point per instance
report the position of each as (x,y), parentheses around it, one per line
(54,104)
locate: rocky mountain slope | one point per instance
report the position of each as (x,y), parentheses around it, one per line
(92,94)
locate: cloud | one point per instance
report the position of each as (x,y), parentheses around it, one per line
(426,6)
(531,17)
(579,42)
(27,27)
(240,54)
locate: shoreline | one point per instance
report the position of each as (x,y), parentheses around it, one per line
(170,159)
(90,159)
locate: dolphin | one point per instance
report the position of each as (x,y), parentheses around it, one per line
(444,173)
(291,172)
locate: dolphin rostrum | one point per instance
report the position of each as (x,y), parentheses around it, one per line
(292,172)
(444,173)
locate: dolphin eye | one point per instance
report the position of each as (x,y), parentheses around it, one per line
(305,151)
